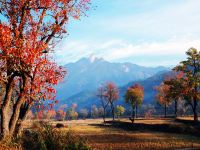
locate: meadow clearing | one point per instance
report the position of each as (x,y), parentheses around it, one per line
(105,137)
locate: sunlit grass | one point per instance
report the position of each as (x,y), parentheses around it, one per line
(100,137)
(117,139)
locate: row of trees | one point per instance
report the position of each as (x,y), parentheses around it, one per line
(109,94)
(64,113)
(182,85)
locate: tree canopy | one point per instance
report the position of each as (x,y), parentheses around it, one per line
(134,96)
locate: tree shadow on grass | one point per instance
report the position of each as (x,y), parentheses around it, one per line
(183,128)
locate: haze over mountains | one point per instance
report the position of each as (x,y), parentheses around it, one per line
(87,74)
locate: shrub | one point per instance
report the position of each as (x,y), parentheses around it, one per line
(59,125)
(46,137)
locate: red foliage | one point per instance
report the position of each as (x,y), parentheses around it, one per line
(161,96)
(26,38)
(111,91)
(29,31)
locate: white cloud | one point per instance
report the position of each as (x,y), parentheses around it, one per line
(119,50)
(171,47)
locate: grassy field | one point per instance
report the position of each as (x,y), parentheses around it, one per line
(109,137)
(145,134)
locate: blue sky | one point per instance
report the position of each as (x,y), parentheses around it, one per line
(145,32)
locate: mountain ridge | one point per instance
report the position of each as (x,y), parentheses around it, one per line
(87,74)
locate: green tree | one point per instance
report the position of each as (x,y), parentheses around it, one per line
(69,114)
(191,79)
(120,110)
(134,96)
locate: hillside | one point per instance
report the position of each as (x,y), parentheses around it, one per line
(88,98)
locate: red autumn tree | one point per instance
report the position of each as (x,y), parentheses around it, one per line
(29,30)
(175,91)
(111,95)
(161,97)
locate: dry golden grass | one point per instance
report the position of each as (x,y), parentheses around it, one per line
(147,140)
(105,138)
(6,145)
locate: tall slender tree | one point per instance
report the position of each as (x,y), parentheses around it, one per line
(104,103)
(111,95)
(162,98)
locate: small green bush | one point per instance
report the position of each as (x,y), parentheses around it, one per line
(46,137)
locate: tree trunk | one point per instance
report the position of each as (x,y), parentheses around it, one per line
(165,111)
(24,111)
(4,124)
(195,116)
(113,113)
(15,115)
(136,111)
(5,111)
(104,120)
(16,108)
(175,108)
(195,110)
(104,115)
(133,116)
